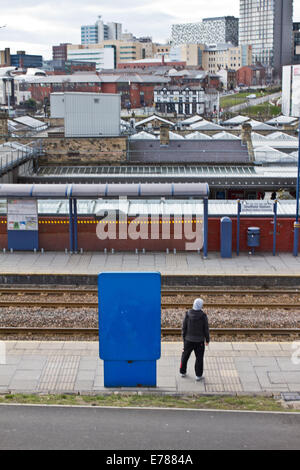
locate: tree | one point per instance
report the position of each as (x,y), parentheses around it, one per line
(30,104)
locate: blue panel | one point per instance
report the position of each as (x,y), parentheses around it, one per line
(253,236)
(22,240)
(226,237)
(129,316)
(129,374)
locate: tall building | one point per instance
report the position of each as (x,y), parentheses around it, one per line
(267,25)
(60,52)
(296,41)
(93,34)
(210,31)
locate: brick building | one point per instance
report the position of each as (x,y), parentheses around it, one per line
(41,87)
(136,90)
(252,75)
(60,52)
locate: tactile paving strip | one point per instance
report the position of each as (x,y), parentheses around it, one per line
(59,374)
(221,375)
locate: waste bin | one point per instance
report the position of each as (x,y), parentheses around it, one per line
(253,238)
(226,237)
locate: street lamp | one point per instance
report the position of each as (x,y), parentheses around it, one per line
(296,223)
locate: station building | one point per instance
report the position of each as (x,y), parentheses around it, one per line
(239,160)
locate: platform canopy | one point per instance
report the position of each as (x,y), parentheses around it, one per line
(83,191)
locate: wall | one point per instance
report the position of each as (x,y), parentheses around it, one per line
(54,236)
(41,91)
(65,151)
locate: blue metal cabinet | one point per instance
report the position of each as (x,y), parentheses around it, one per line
(129,327)
(253,237)
(226,237)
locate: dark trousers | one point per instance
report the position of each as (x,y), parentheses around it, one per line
(198,349)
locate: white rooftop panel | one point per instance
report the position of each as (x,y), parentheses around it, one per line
(190,120)
(225,136)
(236,121)
(152,118)
(258,137)
(205,125)
(174,136)
(198,136)
(281,136)
(142,135)
(259,126)
(281,120)
(269,154)
(31,122)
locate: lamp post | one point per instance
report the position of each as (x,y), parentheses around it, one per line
(296,223)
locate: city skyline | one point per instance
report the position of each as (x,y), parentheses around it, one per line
(40,23)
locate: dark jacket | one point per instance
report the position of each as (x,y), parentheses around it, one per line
(195,326)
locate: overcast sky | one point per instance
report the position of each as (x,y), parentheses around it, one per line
(36,25)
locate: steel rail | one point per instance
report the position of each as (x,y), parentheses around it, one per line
(164,331)
(164,292)
(164,305)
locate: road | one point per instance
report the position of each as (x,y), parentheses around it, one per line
(53,427)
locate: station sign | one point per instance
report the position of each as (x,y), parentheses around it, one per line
(264,207)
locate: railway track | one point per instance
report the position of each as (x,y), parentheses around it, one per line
(176,332)
(165,292)
(44,300)
(164,305)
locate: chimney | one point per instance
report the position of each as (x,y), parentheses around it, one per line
(246,139)
(164,135)
(3,124)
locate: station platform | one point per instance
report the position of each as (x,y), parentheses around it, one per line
(57,367)
(58,267)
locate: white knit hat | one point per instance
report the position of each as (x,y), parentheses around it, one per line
(198,304)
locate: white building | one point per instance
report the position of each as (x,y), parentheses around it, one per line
(186,100)
(209,31)
(103,57)
(98,32)
(291,90)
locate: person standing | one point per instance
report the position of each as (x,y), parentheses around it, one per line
(195,332)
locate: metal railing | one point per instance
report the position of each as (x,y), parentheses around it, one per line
(13,154)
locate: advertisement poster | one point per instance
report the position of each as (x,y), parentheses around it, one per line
(22,214)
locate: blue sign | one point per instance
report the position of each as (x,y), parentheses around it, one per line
(129,327)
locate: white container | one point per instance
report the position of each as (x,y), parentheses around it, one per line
(57,105)
(92,114)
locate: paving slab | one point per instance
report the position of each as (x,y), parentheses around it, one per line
(180,263)
(74,367)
